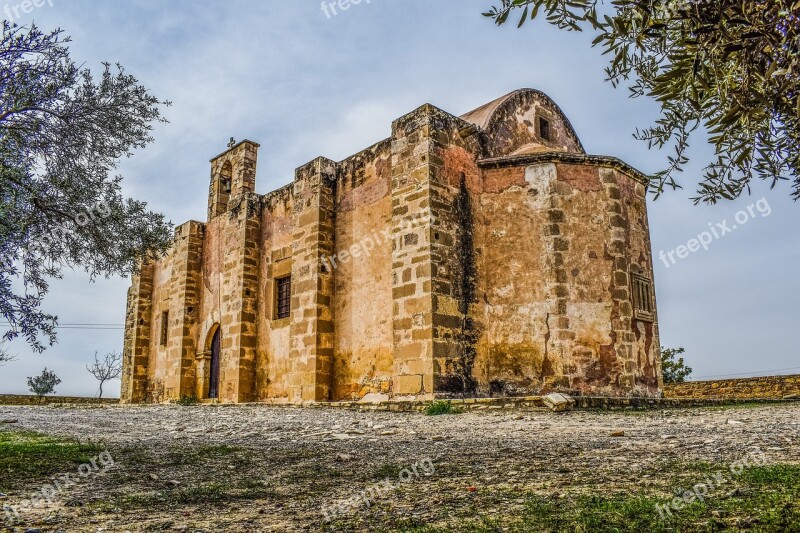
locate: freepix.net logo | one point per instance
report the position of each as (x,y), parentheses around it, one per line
(13,12)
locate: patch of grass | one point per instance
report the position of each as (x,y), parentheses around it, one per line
(187,401)
(160,526)
(308,473)
(28,457)
(137,455)
(442,407)
(740,405)
(388,470)
(196,455)
(202,494)
(729,405)
(767,499)
(214,492)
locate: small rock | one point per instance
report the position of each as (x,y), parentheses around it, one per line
(73,502)
(437,438)
(619,433)
(344,457)
(735,422)
(173,483)
(558,402)
(33,530)
(668,437)
(3,496)
(388,432)
(9,421)
(374,397)
(154,477)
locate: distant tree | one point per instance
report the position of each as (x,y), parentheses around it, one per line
(44,384)
(106,369)
(730,66)
(62,134)
(674,371)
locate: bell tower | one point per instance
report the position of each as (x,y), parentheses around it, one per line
(233,172)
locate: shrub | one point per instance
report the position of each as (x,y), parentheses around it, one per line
(442,407)
(188,400)
(43,384)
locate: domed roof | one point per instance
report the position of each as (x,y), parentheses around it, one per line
(503,119)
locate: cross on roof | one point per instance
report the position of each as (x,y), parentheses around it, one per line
(231,143)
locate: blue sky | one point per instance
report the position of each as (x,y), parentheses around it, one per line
(303,84)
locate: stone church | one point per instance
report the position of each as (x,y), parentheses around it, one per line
(479,255)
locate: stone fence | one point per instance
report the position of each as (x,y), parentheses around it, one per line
(29,399)
(769,387)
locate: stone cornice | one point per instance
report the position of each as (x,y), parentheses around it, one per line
(567,158)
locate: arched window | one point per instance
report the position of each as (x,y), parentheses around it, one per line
(222,185)
(226,178)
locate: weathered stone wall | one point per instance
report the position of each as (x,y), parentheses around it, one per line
(455,207)
(312,328)
(558,313)
(514,290)
(239,301)
(210,316)
(136,348)
(481,255)
(273,358)
(230,283)
(363,359)
(412,316)
(770,387)
(184,309)
(159,363)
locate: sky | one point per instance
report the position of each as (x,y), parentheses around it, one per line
(304,83)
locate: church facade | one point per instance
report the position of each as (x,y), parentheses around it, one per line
(479,255)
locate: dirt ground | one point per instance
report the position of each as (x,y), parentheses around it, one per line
(259,468)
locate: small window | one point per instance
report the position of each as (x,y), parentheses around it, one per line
(283,299)
(642,297)
(544,128)
(164,327)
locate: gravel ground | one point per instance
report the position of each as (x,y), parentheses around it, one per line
(259,468)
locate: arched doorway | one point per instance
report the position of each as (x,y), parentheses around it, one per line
(213,373)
